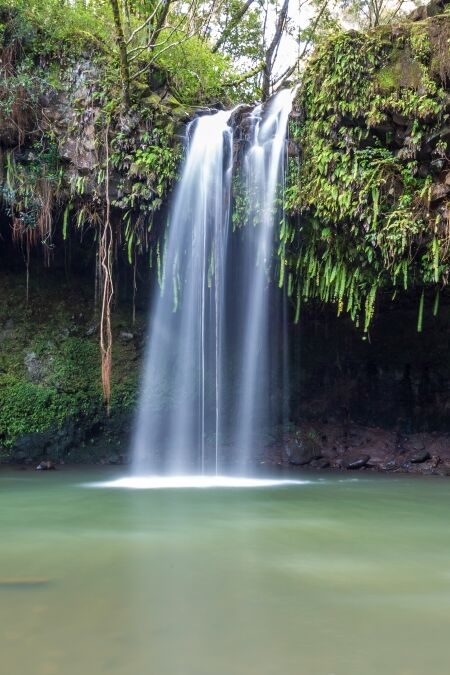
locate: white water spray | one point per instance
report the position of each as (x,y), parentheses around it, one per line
(264,173)
(189,393)
(181,390)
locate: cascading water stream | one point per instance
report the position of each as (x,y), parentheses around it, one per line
(190,399)
(263,173)
(180,393)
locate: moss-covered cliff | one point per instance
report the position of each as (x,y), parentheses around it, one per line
(368,197)
(372,184)
(50,387)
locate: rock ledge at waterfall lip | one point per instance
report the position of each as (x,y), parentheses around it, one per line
(194,481)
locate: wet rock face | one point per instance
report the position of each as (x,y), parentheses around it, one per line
(82,441)
(31,446)
(302,448)
(419,456)
(46,465)
(37,367)
(429,9)
(398,380)
(75,130)
(349,447)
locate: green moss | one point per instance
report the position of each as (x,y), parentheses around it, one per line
(402,71)
(28,408)
(419,38)
(387,79)
(366,223)
(65,385)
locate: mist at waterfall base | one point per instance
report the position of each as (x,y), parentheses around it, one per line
(213,376)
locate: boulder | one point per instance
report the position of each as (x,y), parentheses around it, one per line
(302,449)
(45,465)
(356,462)
(419,456)
(114,458)
(390,465)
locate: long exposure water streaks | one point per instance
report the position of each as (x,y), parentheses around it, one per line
(263,172)
(180,392)
(190,403)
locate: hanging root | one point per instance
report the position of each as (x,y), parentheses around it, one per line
(106,259)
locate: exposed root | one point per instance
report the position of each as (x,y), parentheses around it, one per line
(106,261)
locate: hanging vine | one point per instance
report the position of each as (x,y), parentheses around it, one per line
(106,262)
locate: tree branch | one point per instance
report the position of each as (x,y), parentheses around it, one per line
(145,24)
(267,70)
(235,21)
(251,73)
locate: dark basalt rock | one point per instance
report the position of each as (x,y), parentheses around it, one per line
(357,462)
(30,446)
(302,449)
(115,458)
(419,457)
(322,463)
(46,465)
(390,465)
(433,8)
(126,336)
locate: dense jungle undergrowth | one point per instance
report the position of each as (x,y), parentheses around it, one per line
(93,107)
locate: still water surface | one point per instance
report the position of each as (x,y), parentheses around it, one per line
(335,577)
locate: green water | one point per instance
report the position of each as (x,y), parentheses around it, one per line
(339,577)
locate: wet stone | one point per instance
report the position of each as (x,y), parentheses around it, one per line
(390,465)
(302,451)
(357,462)
(322,463)
(419,457)
(46,465)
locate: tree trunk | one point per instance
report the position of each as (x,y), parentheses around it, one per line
(268,64)
(123,54)
(235,21)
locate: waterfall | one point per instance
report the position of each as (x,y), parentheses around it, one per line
(192,398)
(180,402)
(263,173)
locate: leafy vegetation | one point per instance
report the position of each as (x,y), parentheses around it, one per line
(46,368)
(373,145)
(93,98)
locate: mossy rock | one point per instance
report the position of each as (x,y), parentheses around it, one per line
(402,71)
(303,448)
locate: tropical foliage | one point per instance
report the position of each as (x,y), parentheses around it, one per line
(370,185)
